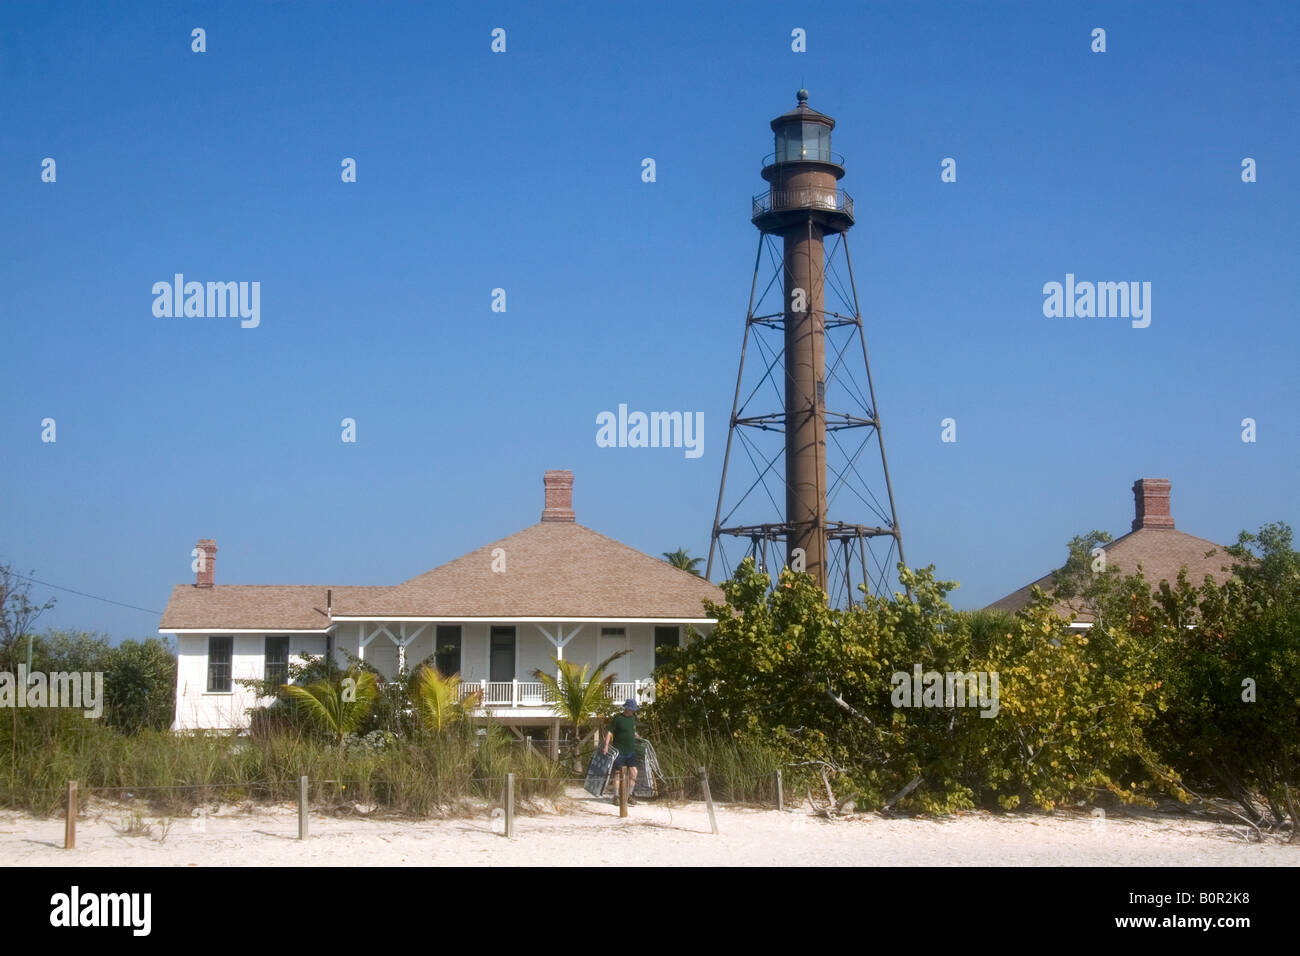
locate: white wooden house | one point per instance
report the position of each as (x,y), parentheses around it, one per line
(495,615)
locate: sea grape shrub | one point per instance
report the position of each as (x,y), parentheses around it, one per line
(1230,654)
(782,668)
(1074,714)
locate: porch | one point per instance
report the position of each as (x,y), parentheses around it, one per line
(498,659)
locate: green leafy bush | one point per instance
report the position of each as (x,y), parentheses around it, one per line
(783,669)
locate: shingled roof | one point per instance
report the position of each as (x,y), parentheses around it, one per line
(239,607)
(552,569)
(1154,543)
(556,568)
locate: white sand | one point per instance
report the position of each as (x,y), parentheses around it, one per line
(585,832)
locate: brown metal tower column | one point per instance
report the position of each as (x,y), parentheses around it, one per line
(805,421)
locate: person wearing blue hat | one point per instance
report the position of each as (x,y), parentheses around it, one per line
(622,734)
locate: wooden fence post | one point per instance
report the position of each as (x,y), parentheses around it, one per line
(70,823)
(622,791)
(708,799)
(302,808)
(510,805)
(780,792)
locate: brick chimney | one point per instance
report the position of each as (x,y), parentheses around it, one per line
(207,563)
(1151,501)
(559,496)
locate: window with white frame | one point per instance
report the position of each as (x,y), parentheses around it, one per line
(221,652)
(447,649)
(666,636)
(277,659)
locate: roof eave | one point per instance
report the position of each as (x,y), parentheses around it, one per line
(527,619)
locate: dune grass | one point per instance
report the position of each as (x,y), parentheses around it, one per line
(40,751)
(419,775)
(739,771)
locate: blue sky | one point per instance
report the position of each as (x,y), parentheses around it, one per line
(522,171)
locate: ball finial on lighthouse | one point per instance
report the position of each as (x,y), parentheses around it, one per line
(802,97)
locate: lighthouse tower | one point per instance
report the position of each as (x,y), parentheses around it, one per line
(797,422)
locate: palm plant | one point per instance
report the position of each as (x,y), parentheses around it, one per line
(987,626)
(337,707)
(578,693)
(682,559)
(436,699)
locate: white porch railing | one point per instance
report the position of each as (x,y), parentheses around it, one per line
(623,690)
(518,693)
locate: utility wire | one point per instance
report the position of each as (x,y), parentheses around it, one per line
(46,584)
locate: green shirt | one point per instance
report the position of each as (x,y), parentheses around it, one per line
(623,728)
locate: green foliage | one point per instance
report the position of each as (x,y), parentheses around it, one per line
(1206,648)
(140,685)
(782,668)
(1230,654)
(18,614)
(71,651)
(578,693)
(681,559)
(1076,577)
(417,776)
(436,699)
(337,706)
(139,676)
(390,711)
(1074,712)
(740,770)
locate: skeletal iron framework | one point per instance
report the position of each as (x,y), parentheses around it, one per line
(802,415)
